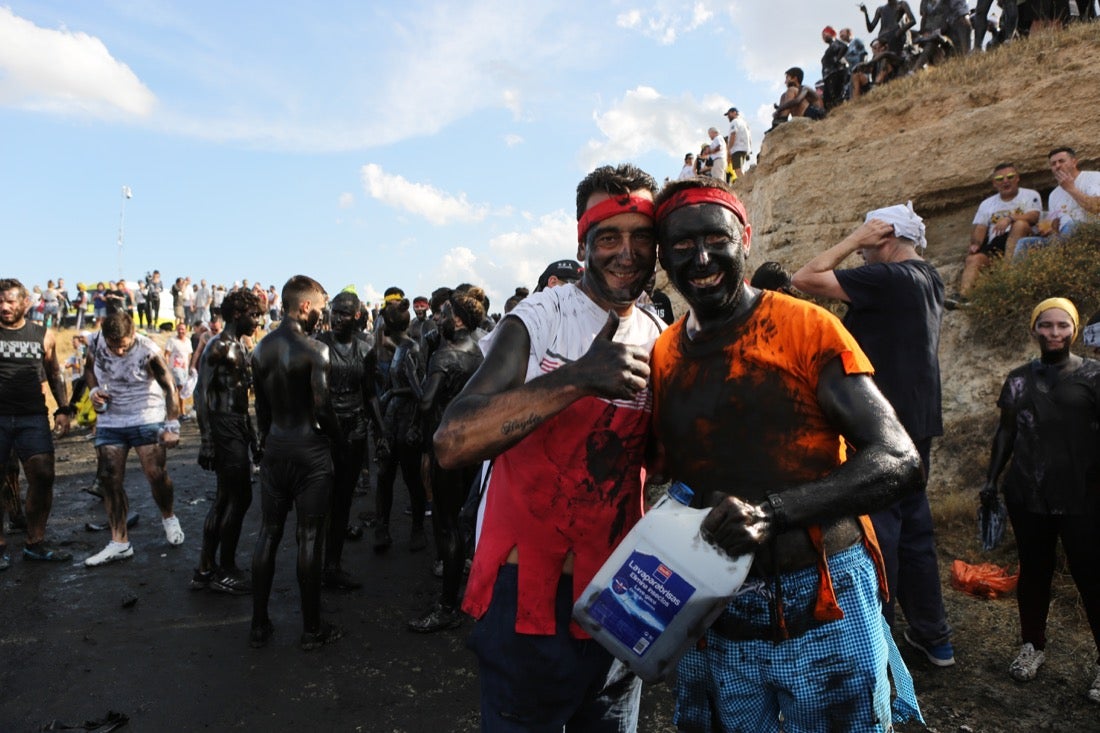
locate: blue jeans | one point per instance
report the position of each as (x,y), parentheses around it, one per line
(907,540)
(547,684)
(131,436)
(1029,243)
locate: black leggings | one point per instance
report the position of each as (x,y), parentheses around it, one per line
(407,456)
(449,490)
(347,460)
(1036,538)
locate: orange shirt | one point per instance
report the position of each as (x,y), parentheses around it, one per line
(737,411)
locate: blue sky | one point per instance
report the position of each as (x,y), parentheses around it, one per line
(416,144)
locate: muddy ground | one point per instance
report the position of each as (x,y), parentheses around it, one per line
(132,637)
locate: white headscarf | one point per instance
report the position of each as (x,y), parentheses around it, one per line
(905,221)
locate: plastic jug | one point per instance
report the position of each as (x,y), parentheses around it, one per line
(662,587)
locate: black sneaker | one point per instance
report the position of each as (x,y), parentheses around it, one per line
(258,636)
(316,639)
(339,579)
(233,583)
(200,580)
(382,539)
(440,618)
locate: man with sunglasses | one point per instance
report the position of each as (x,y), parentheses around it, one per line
(1001,221)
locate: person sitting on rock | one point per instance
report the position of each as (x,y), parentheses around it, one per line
(883,66)
(1076,198)
(1001,220)
(799,100)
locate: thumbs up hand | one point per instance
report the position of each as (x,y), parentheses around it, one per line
(614,370)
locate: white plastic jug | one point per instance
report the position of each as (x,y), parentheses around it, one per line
(662,587)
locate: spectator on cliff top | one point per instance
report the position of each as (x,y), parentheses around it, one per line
(688,171)
(739,143)
(896,18)
(857,52)
(883,66)
(716,155)
(834,67)
(798,101)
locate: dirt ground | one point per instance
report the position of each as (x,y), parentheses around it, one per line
(133,638)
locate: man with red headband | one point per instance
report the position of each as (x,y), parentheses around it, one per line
(561,405)
(752,393)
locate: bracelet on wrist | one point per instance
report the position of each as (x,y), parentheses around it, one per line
(171,426)
(778,511)
(67,411)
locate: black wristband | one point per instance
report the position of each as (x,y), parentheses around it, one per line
(779,514)
(67,410)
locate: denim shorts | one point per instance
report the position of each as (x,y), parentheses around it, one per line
(132,436)
(28,434)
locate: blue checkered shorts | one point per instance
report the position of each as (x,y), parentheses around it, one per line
(832,677)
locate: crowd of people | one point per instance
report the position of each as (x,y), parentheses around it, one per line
(807,439)
(907,42)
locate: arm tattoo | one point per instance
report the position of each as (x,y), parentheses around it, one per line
(521,426)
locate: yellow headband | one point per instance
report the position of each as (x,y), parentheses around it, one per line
(1064,304)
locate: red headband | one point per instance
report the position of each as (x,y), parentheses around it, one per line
(703,195)
(628,204)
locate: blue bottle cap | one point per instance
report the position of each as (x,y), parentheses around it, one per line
(681,493)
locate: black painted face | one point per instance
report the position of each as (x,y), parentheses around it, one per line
(247,323)
(344,319)
(703,253)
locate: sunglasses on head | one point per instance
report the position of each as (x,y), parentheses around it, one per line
(1005,177)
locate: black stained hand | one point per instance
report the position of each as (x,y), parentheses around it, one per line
(614,370)
(737,526)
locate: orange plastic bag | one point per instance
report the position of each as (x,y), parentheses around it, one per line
(985,579)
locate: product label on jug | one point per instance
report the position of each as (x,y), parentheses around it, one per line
(642,599)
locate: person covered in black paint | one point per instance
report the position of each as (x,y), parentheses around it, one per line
(401,428)
(354,400)
(221,406)
(451,366)
(296,426)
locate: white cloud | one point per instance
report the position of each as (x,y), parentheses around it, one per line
(665,21)
(512,140)
(421,199)
(65,72)
(798,44)
(510,260)
(644,120)
(346,200)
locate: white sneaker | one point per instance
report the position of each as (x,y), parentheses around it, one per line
(112,552)
(1094,688)
(1026,665)
(172,530)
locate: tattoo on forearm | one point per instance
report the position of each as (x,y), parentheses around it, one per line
(516,426)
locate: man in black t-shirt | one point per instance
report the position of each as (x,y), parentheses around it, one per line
(895,306)
(28,356)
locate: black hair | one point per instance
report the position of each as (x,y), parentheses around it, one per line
(620,179)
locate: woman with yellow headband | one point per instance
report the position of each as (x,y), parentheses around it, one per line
(1048,438)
